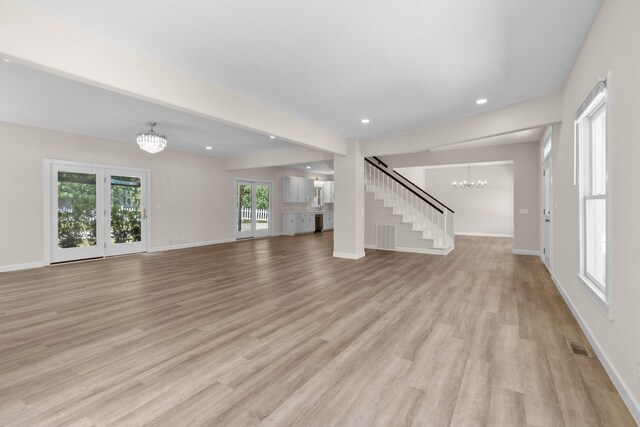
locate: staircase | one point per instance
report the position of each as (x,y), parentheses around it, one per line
(400,216)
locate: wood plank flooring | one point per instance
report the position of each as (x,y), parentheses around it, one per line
(276,332)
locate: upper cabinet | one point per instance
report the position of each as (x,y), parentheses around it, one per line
(327,192)
(297,190)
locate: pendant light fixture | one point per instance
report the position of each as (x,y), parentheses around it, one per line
(463,185)
(151,141)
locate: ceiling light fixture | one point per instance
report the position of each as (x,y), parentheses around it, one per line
(6,60)
(365,121)
(209,148)
(272,137)
(151,141)
(463,185)
(308,167)
(481,101)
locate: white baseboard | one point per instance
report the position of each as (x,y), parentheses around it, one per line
(25,266)
(425,251)
(347,255)
(525,252)
(618,382)
(471,233)
(190,245)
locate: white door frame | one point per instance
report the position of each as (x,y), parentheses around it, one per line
(253,232)
(48,165)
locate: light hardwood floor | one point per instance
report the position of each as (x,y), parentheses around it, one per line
(276,332)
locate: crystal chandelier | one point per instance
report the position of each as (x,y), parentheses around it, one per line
(463,185)
(151,141)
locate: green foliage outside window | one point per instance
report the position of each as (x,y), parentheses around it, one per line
(76,210)
(77,225)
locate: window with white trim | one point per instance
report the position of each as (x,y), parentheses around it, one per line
(591,128)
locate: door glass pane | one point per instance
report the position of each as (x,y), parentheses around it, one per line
(262,207)
(598,153)
(596,239)
(243,204)
(76,209)
(126,213)
(547,190)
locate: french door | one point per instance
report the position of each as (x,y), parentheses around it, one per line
(97,212)
(253,209)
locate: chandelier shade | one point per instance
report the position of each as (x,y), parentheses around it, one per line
(151,141)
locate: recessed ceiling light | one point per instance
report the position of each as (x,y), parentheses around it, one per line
(333,172)
(481,101)
(308,167)
(6,60)
(272,137)
(209,148)
(365,121)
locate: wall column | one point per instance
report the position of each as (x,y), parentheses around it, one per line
(348,234)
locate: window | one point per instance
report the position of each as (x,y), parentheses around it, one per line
(591,128)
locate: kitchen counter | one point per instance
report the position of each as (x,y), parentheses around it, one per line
(309,212)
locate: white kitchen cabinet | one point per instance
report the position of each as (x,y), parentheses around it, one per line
(296,189)
(309,190)
(298,223)
(327,221)
(327,192)
(289,224)
(309,223)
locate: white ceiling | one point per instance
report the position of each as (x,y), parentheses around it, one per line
(322,168)
(35,98)
(406,64)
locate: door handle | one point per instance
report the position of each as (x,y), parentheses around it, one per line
(547,220)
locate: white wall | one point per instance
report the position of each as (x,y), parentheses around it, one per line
(526,168)
(612,45)
(195,193)
(487,211)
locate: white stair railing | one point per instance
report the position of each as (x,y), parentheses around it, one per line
(434,223)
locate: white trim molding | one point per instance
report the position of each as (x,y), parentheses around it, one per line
(526,252)
(473,233)
(348,255)
(618,382)
(25,266)
(191,245)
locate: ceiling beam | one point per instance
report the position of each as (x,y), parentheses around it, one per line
(289,156)
(32,38)
(530,114)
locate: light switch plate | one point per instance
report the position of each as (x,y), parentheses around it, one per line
(524,211)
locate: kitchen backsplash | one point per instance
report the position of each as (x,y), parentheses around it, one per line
(306,207)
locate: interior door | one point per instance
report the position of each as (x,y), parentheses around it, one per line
(77,203)
(125,212)
(253,209)
(546,229)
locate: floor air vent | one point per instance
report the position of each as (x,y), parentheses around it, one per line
(385,236)
(579,350)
